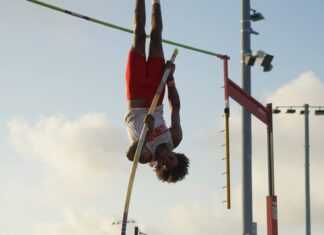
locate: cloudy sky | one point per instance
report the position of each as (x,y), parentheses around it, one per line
(63,169)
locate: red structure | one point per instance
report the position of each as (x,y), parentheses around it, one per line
(264,114)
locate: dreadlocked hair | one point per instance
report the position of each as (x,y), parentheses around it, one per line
(176,174)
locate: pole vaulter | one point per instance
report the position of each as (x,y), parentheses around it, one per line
(264,114)
(141,143)
(223,57)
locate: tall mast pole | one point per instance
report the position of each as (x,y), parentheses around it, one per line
(307,184)
(246,122)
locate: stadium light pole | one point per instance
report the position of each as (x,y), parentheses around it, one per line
(305,111)
(248,60)
(246,123)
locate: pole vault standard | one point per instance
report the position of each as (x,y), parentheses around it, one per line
(122,28)
(227,142)
(141,143)
(264,114)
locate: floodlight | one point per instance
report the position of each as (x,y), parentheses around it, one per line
(268,68)
(261,57)
(249,59)
(256,16)
(276,111)
(319,112)
(291,110)
(265,60)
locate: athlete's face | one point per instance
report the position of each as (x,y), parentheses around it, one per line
(170,161)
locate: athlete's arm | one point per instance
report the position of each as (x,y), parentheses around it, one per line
(174,102)
(146,155)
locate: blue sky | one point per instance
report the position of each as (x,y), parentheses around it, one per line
(62,134)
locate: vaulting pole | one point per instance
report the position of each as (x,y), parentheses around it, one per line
(141,143)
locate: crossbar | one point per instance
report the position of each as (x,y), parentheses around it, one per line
(221,56)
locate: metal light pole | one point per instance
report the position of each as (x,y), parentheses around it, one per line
(305,111)
(246,119)
(248,60)
(307,184)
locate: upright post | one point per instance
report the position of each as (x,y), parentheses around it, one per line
(272,220)
(270,152)
(246,119)
(227,115)
(307,184)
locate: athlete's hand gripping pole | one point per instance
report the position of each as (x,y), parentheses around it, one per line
(141,143)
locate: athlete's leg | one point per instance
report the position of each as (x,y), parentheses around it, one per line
(155,66)
(136,82)
(139,27)
(156,49)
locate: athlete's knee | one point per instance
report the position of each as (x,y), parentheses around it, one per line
(139,34)
(156,35)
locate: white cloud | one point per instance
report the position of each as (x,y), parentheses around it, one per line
(79,162)
(80,223)
(306,88)
(206,217)
(88,146)
(85,222)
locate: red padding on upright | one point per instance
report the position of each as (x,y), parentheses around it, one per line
(272,215)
